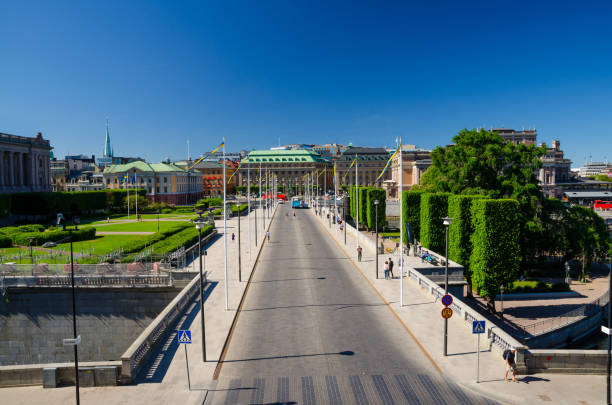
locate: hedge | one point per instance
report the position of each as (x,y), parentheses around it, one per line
(460,231)
(65,202)
(5,241)
(39,238)
(363,205)
(411,212)
(138,245)
(352,200)
(12,230)
(495,254)
(186,237)
(380,195)
(434,207)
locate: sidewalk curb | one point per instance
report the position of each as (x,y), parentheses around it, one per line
(225,347)
(505,399)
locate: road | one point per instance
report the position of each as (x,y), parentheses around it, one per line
(313,331)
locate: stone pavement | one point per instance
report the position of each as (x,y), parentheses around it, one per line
(421,314)
(165,380)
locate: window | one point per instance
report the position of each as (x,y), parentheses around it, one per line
(165,189)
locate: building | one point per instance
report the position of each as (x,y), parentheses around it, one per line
(555,170)
(59,173)
(86,180)
(330,151)
(595,168)
(290,166)
(526,136)
(24,163)
(212,177)
(414,163)
(163,182)
(371,162)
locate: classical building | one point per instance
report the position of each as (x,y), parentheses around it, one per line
(526,136)
(163,182)
(330,151)
(371,162)
(555,170)
(59,173)
(24,163)
(414,163)
(595,168)
(290,166)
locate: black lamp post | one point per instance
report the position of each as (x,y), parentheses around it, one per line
(447,222)
(199,225)
(376,202)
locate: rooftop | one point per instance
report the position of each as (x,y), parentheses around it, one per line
(285,155)
(143,167)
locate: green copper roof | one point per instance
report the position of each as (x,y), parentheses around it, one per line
(143,167)
(283,156)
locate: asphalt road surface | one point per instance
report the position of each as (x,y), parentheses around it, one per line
(313,331)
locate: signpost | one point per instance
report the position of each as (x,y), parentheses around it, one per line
(184,337)
(447,300)
(478,327)
(72,342)
(447,313)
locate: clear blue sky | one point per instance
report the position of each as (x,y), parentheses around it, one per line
(165,72)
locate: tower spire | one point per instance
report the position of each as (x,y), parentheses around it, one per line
(108,151)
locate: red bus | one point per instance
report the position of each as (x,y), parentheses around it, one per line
(602,205)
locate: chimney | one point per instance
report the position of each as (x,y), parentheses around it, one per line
(556,144)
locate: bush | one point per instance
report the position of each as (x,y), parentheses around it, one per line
(536,286)
(352,212)
(12,230)
(380,195)
(363,205)
(5,241)
(186,237)
(39,238)
(138,245)
(495,254)
(411,212)
(434,207)
(5,205)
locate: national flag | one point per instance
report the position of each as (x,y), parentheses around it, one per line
(204,157)
(388,162)
(228,180)
(349,169)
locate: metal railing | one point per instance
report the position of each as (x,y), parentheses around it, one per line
(547,325)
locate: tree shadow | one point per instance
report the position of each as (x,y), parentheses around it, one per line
(289,279)
(292,356)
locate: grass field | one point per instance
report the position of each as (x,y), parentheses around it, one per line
(144,226)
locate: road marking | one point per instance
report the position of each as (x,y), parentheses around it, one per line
(235,321)
(433,362)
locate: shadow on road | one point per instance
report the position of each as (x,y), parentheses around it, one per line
(292,356)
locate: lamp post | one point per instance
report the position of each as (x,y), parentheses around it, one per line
(199,225)
(74,327)
(501,290)
(447,222)
(239,252)
(344,218)
(376,202)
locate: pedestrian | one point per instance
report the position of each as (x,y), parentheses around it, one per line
(386,267)
(390,268)
(359,251)
(509,357)
(268,235)
(233,236)
(107,220)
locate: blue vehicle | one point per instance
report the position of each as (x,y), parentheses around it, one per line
(296,203)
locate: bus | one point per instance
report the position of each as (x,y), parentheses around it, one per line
(295,202)
(602,205)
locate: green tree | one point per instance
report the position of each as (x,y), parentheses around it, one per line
(241,189)
(143,203)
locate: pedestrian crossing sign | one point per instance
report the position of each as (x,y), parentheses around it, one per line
(478,327)
(184,336)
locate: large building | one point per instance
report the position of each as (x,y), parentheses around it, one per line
(163,182)
(414,163)
(330,151)
(555,170)
(290,167)
(212,178)
(526,136)
(24,163)
(371,162)
(595,168)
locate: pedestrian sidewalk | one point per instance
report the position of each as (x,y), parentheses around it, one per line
(421,315)
(164,381)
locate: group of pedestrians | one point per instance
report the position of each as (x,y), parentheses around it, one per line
(388,269)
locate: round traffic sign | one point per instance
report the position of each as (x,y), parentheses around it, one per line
(447,313)
(447,300)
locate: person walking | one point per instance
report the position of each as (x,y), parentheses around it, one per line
(359,252)
(390,268)
(509,356)
(268,235)
(386,267)
(233,236)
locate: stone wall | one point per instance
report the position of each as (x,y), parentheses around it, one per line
(33,322)
(566,361)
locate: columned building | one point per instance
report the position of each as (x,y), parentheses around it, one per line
(371,162)
(289,166)
(555,170)
(24,164)
(414,163)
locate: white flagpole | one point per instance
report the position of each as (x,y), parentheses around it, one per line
(335,197)
(127,186)
(401,251)
(136,188)
(357,195)
(225,228)
(249,205)
(263,218)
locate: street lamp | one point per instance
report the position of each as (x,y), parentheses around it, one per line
(501,290)
(447,221)
(376,202)
(199,225)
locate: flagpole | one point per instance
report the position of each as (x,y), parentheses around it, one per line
(136,189)
(249,204)
(401,252)
(127,186)
(357,195)
(263,218)
(225,228)
(335,197)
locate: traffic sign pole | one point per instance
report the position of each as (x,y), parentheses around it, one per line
(187,364)
(478,327)
(478,361)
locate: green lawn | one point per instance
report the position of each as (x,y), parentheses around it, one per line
(144,226)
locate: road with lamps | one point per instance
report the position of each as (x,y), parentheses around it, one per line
(313,331)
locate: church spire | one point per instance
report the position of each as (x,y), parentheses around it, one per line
(108,151)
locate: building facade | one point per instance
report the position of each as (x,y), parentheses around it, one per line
(163,182)
(526,136)
(289,166)
(595,168)
(24,164)
(414,163)
(555,170)
(371,162)
(330,151)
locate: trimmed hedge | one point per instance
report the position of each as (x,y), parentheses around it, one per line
(12,230)
(460,231)
(352,212)
(380,195)
(495,254)
(5,205)
(186,237)
(39,238)
(434,207)
(5,241)
(519,287)
(411,212)
(138,245)
(363,205)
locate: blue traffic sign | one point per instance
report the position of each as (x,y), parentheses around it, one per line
(478,327)
(447,300)
(184,336)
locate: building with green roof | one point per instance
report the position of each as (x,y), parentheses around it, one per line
(163,182)
(289,166)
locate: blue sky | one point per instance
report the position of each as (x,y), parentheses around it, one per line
(309,72)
